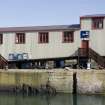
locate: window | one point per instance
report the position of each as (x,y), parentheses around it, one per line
(43,37)
(97,23)
(20,38)
(1,38)
(68,37)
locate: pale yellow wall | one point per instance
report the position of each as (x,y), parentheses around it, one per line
(55,47)
(97,41)
(86,24)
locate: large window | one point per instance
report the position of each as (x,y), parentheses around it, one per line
(43,37)
(20,38)
(68,37)
(97,23)
(1,38)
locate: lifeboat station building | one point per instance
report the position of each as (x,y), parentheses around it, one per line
(55,46)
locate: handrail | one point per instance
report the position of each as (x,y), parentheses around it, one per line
(83,52)
(3,62)
(99,59)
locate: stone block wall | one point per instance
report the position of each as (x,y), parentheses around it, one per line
(91,82)
(62,80)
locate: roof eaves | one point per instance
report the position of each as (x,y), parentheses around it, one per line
(40,28)
(92,16)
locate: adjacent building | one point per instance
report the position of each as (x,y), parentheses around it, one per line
(94,25)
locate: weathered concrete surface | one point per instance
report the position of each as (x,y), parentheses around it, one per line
(59,79)
(19,77)
(88,81)
(91,82)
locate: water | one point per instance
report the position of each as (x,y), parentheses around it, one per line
(61,99)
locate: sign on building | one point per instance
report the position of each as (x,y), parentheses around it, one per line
(84,34)
(18,56)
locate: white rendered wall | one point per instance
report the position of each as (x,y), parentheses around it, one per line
(97,36)
(55,47)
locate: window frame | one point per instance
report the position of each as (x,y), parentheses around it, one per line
(20,38)
(43,37)
(96,22)
(1,38)
(68,37)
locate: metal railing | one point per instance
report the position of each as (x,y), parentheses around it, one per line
(83,52)
(3,62)
(95,56)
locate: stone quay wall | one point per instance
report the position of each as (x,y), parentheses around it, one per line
(62,80)
(59,79)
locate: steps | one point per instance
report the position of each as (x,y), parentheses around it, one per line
(83,52)
(90,53)
(97,58)
(3,62)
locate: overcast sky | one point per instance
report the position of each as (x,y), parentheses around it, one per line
(47,12)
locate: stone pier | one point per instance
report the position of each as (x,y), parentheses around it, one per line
(62,80)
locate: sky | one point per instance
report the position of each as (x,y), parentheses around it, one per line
(17,13)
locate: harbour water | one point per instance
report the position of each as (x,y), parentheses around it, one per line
(59,99)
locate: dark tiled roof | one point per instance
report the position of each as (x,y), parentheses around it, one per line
(92,16)
(40,28)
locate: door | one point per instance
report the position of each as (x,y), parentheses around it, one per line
(85,47)
(85,44)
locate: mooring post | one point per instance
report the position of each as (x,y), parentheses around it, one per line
(75,83)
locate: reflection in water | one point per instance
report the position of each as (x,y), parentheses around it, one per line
(74,99)
(60,99)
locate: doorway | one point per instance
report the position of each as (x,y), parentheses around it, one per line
(85,44)
(85,47)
